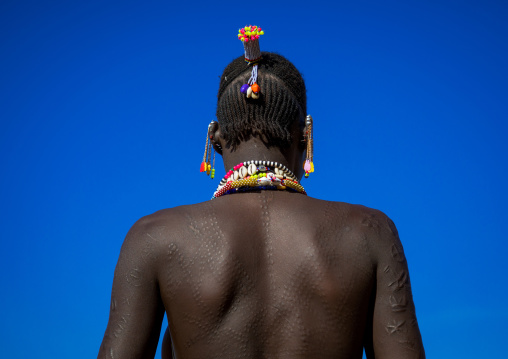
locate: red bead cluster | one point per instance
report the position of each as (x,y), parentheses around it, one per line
(232,170)
(250,33)
(223,190)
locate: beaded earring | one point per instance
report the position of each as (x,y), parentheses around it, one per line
(212,175)
(308,165)
(207,165)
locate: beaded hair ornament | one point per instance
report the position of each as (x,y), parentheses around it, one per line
(249,35)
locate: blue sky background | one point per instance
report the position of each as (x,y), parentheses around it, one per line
(104,108)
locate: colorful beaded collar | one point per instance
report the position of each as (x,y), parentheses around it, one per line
(249,176)
(250,168)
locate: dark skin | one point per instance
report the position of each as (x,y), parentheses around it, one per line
(268,274)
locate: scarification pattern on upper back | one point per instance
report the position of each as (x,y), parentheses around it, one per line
(266,277)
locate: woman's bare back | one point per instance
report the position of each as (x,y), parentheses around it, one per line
(268,275)
(264,275)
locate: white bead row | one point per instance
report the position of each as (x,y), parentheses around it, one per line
(283,170)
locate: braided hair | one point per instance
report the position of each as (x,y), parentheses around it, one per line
(283,101)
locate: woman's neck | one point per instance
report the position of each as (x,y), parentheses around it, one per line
(255,149)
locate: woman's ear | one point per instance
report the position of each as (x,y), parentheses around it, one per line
(216,137)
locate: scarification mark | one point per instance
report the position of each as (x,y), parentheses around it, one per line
(126,300)
(398,305)
(395,327)
(113,304)
(324,230)
(387,269)
(194,229)
(392,227)
(210,255)
(172,249)
(111,354)
(119,327)
(134,275)
(147,252)
(134,278)
(397,253)
(399,282)
(265,223)
(370,220)
(408,344)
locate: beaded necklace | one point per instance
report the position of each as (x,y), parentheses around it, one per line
(258,175)
(251,167)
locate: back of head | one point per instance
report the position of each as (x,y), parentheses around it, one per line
(282,102)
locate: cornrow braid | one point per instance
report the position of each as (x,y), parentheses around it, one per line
(283,100)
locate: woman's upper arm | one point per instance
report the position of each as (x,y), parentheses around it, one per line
(395,332)
(136,307)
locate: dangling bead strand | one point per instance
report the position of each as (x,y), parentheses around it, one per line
(213,167)
(206,165)
(203,164)
(308,164)
(209,159)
